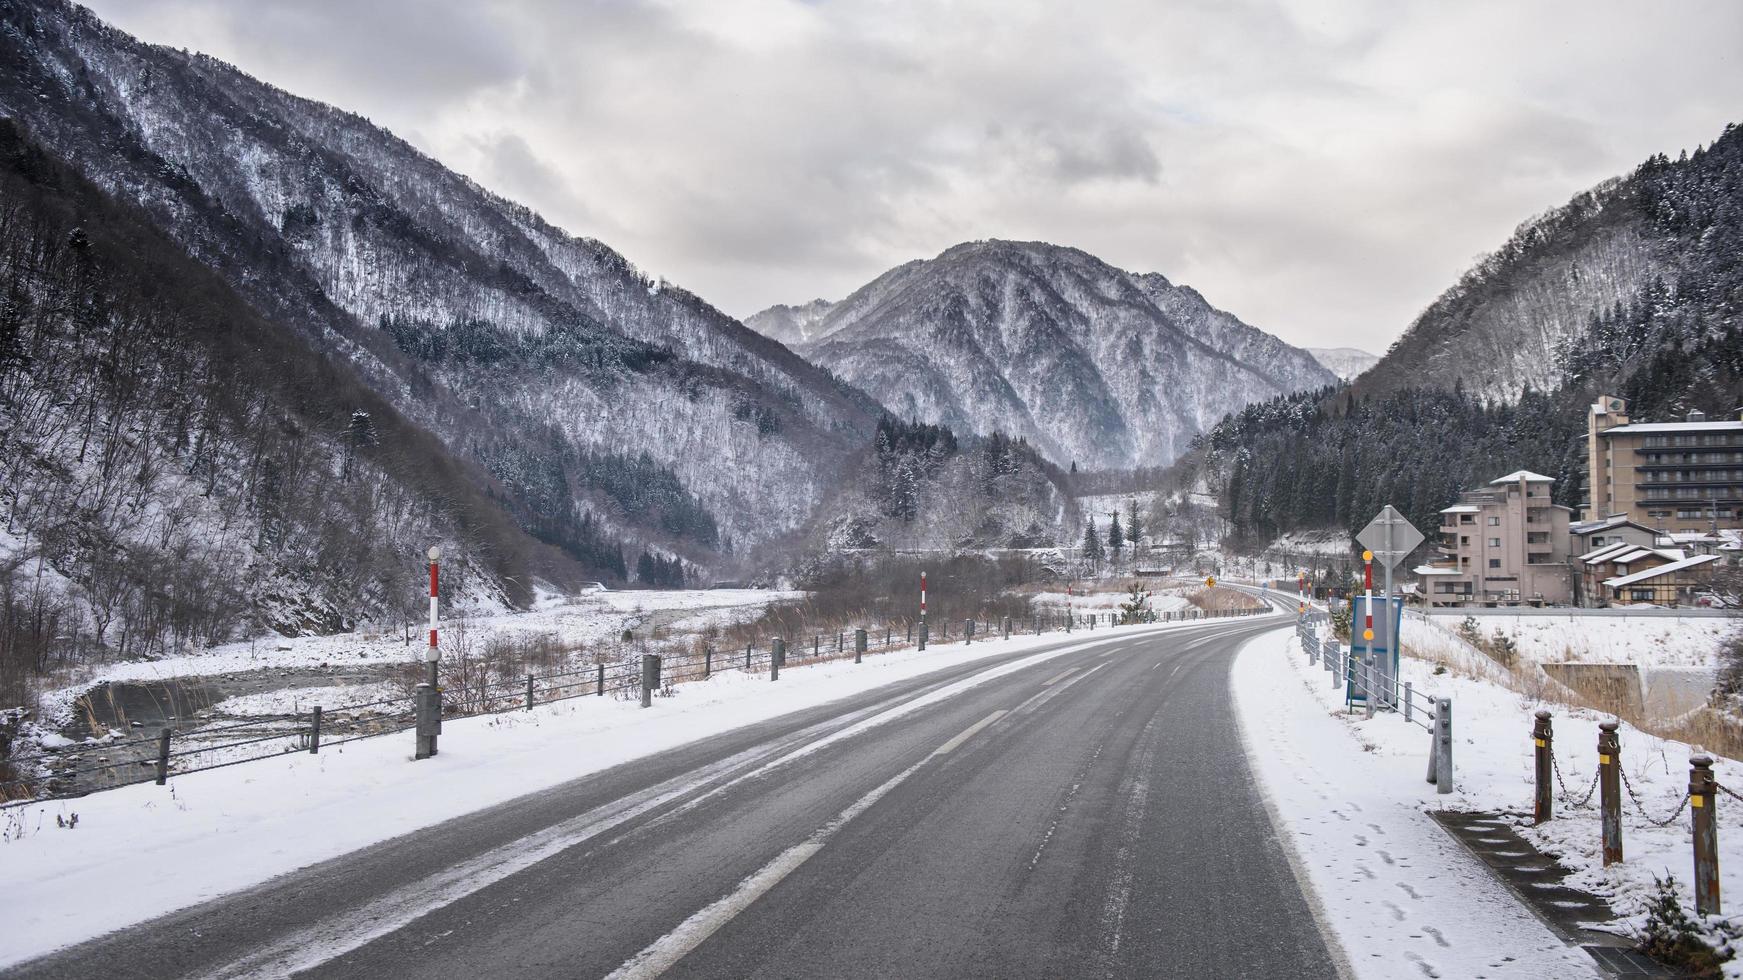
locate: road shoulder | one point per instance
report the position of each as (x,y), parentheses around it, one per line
(1396,894)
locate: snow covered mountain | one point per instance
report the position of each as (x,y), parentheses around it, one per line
(791,325)
(594,394)
(1505,324)
(1345,362)
(1092,365)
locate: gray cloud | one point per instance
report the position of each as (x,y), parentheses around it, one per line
(1322,169)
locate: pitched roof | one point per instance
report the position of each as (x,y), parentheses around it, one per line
(1614,520)
(1461,509)
(1650,573)
(1603,554)
(1526,475)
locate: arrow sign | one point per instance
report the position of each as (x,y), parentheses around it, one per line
(1390,537)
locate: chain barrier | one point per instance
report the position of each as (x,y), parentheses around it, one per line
(1725,790)
(1567,797)
(1667,821)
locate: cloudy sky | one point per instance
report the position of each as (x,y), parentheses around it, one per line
(1323,170)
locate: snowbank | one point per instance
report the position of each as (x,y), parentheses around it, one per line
(1329,772)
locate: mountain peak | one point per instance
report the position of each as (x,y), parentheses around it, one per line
(1047,342)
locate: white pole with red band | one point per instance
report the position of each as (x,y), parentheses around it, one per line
(922,643)
(435,652)
(1368,595)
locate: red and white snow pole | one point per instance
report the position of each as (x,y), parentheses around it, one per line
(435,651)
(922,610)
(429,696)
(1368,595)
(1068,607)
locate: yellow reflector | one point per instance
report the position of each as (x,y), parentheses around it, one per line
(1603,760)
(1696,801)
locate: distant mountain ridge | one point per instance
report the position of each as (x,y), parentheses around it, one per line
(1091,364)
(791,325)
(1345,362)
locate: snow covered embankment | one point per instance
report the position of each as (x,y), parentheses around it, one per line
(1336,757)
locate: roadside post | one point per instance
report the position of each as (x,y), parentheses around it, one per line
(429,694)
(1542,741)
(1610,790)
(650,678)
(163,756)
(859,645)
(1701,799)
(777,657)
(922,612)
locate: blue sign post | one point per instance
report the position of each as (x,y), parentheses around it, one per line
(1381,651)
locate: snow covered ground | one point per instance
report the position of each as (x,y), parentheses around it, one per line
(1679,641)
(271,817)
(1400,892)
(593,619)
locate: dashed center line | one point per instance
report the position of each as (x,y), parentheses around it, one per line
(1056,678)
(968,733)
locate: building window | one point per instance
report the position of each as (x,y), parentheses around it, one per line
(1597,540)
(1494,542)
(1464,539)
(1640,595)
(1494,522)
(1494,563)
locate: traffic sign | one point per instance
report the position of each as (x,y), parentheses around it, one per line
(1390,537)
(1210,581)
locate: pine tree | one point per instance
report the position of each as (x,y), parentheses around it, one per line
(1092,549)
(1134,528)
(1116,536)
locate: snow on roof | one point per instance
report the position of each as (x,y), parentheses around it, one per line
(1526,475)
(1604,524)
(1461,509)
(1434,570)
(1675,566)
(1601,554)
(1632,556)
(1650,428)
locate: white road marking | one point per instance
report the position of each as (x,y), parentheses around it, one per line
(1067,672)
(665,952)
(337,935)
(968,733)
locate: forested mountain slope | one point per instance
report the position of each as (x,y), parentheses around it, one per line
(1091,365)
(179,470)
(1463,397)
(546,358)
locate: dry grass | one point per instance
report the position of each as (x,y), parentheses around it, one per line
(1218,599)
(1708,727)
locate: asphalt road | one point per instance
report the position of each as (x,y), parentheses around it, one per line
(1089,816)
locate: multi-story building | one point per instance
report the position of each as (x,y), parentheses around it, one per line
(1504,544)
(1672,476)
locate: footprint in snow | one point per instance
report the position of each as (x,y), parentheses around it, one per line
(1426,967)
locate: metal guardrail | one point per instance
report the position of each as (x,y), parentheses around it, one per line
(1366,685)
